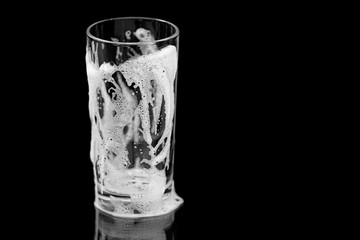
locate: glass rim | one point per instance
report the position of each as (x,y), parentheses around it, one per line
(91,36)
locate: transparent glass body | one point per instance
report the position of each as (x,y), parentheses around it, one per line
(131,66)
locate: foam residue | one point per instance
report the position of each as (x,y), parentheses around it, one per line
(132,108)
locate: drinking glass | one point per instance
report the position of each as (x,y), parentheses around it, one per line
(131,65)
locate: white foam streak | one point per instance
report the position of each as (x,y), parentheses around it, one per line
(144,186)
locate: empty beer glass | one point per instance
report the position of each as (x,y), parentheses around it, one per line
(131,66)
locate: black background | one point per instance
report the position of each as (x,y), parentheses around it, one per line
(217,155)
(252,118)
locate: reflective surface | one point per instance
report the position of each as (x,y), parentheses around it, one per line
(157,228)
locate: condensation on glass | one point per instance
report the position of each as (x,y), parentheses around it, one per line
(132,75)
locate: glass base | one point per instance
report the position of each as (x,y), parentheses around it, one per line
(125,208)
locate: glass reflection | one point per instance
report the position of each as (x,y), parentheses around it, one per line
(108,227)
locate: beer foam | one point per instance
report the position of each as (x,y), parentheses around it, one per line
(132,107)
